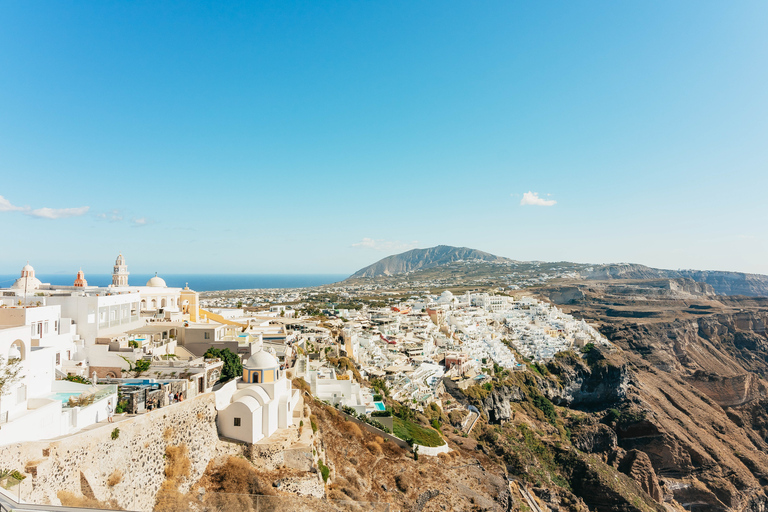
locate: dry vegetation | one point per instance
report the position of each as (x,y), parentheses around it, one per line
(369,468)
(71,500)
(177,465)
(115,478)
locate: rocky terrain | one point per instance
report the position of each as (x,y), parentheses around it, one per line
(691,399)
(722,282)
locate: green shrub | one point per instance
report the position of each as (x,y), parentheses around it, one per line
(78,379)
(115,433)
(122,406)
(611,416)
(325,471)
(544,405)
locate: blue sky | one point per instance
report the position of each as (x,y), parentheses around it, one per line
(318,137)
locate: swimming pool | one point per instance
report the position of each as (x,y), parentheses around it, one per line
(63,397)
(379,406)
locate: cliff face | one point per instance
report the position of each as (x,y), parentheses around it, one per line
(703,426)
(424,258)
(676,415)
(722,282)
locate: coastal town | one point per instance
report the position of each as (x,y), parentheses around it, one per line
(85,352)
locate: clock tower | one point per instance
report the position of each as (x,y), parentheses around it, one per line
(120,272)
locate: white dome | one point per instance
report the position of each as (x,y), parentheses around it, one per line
(28,268)
(261,360)
(30,283)
(446,296)
(157,282)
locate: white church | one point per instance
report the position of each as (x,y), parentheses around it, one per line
(263,401)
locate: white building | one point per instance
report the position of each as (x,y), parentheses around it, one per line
(260,403)
(36,406)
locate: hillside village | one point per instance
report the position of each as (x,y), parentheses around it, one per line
(85,355)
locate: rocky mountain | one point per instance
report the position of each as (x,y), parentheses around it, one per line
(417,259)
(723,282)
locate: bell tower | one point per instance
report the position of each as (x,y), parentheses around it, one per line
(120,272)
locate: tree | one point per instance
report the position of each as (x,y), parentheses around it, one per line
(233,366)
(139,367)
(9,374)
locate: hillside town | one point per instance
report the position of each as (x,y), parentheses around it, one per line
(86,350)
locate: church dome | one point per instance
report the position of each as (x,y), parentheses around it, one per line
(157,282)
(120,260)
(261,360)
(27,280)
(80,281)
(446,296)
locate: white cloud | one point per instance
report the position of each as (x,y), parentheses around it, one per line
(532,198)
(385,245)
(43,213)
(141,221)
(112,216)
(57,213)
(6,206)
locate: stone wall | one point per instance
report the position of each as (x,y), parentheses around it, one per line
(87,459)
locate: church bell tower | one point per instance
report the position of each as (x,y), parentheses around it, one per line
(120,272)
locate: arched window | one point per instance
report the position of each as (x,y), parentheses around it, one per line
(17,351)
(162,303)
(153,304)
(143,303)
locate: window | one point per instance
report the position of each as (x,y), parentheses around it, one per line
(58,358)
(45,329)
(237,422)
(56,326)
(207,335)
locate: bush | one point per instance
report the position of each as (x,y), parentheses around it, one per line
(115,433)
(543,404)
(238,476)
(177,462)
(122,406)
(402,483)
(233,365)
(611,416)
(589,347)
(374,448)
(78,379)
(350,427)
(325,471)
(381,414)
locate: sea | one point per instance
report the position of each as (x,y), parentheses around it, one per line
(197,282)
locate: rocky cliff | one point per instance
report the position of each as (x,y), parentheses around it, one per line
(675,417)
(722,282)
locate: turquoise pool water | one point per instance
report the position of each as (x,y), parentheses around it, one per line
(379,406)
(64,397)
